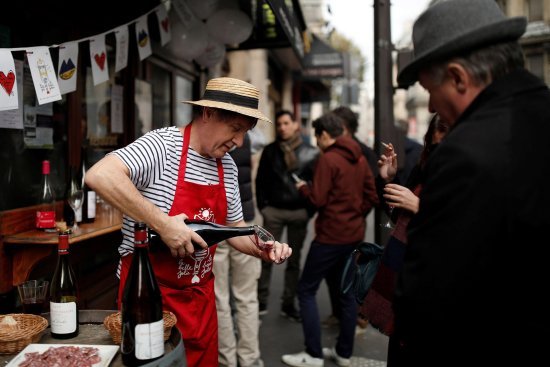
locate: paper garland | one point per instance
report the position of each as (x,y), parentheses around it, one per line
(49,86)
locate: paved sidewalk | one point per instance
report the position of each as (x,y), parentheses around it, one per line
(279,335)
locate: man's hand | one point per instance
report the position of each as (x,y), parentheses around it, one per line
(178,237)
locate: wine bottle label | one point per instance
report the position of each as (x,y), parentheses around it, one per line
(63,317)
(149,340)
(91,204)
(45,219)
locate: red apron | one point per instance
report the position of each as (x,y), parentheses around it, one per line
(187,284)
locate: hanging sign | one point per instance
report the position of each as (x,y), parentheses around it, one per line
(98,55)
(142,38)
(164,25)
(43,75)
(121,35)
(8,82)
(67,67)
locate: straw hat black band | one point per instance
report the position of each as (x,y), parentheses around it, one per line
(232,95)
(228,97)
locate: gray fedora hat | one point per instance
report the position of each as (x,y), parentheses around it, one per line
(452,27)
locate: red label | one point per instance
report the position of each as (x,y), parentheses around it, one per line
(45,219)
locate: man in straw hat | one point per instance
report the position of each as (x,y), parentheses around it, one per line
(171,174)
(471,291)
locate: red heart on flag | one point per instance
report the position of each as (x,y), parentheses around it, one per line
(164,24)
(100,60)
(7,81)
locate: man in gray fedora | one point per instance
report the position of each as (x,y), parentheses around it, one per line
(472,288)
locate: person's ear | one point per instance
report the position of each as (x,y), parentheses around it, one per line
(460,78)
(207,113)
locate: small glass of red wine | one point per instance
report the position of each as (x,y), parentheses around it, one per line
(32,295)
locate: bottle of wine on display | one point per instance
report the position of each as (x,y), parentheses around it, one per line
(89,201)
(211,233)
(63,294)
(142,321)
(45,215)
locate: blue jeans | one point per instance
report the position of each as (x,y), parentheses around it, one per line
(321,260)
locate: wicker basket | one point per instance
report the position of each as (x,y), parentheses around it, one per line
(113,324)
(28,330)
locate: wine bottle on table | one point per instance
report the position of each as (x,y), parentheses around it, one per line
(89,200)
(211,233)
(45,215)
(142,321)
(63,294)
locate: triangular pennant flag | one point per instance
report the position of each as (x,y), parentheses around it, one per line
(43,74)
(8,82)
(143,39)
(98,55)
(164,25)
(67,67)
(121,34)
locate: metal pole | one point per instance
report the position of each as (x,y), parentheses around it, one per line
(384,129)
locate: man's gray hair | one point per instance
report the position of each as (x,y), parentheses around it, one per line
(485,64)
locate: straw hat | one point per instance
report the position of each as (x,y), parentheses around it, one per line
(452,27)
(232,95)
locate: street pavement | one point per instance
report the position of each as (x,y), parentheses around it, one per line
(279,335)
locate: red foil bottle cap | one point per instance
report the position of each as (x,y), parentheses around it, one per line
(63,241)
(45,167)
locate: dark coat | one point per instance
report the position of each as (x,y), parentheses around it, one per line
(274,184)
(243,160)
(474,284)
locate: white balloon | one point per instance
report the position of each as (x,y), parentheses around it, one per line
(203,8)
(213,55)
(231,26)
(190,41)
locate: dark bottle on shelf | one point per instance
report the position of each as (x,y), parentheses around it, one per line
(211,233)
(63,294)
(142,321)
(89,200)
(45,215)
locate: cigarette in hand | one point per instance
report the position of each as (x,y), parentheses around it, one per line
(385,145)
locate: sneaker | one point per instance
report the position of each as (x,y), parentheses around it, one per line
(330,353)
(302,359)
(291,313)
(263,309)
(330,322)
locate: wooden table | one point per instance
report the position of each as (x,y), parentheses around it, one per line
(92,332)
(29,247)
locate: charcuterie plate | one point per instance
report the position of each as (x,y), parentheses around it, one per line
(106,353)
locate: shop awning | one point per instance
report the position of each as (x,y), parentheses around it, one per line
(322,61)
(276,24)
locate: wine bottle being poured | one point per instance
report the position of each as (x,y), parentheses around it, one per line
(213,233)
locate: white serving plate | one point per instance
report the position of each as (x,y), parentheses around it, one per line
(106,352)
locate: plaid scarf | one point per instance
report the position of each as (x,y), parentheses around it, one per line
(288,147)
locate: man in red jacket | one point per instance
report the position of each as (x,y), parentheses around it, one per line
(343,191)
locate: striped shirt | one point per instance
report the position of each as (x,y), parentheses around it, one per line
(154,160)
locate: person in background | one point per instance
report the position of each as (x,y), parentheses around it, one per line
(413,150)
(377,306)
(471,288)
(282,206)
(351,123)
(236,282)
(174,173)
(343,191)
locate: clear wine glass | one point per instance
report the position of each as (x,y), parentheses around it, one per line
(389,223)
(76,195)
(262,236)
